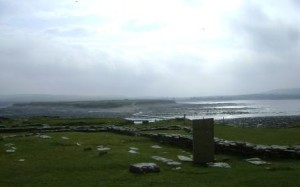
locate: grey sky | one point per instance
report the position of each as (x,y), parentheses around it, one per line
(148,48)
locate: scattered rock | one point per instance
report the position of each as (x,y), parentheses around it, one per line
(10,150)
(218,165)
(177,168)
(169,162)
(173,163)
(270,168)
(103,150)
(45,136)
(65,138)
(133,148)
(78,144)
(132,151)
(21,160)
(143,168)
(256,161)
(185,158)
(156,146)
(162,159)
(9,144)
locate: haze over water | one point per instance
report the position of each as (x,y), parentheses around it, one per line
(193,109)
(245,108)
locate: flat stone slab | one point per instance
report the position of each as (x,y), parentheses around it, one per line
(103,150)
(185,158)
(168,161)
(161,159)
(219,165)
(64,138)
(10,150)
(173,163)
(132,151)
(45,136)
(142,168)
(256,161)
(156,147)
(9,144)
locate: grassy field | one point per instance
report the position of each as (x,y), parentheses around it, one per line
(60,162)
(59,121)
(279,136)
(268,136)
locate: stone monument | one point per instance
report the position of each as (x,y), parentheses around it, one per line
(203,141)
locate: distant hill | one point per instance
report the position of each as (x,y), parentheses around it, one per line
(278,94)
(292,91)
(50,98)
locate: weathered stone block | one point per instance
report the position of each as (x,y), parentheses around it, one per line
(203,141)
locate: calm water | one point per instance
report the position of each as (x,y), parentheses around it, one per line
(245,108)
(195,109)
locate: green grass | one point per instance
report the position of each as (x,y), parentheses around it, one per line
(61,121)
(283,136)
(268,136)
(58,162)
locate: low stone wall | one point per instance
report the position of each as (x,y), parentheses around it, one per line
(232,147)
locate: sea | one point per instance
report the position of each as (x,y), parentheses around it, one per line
(228,109)
(243,108)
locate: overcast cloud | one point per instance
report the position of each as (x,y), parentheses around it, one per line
(148,48)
